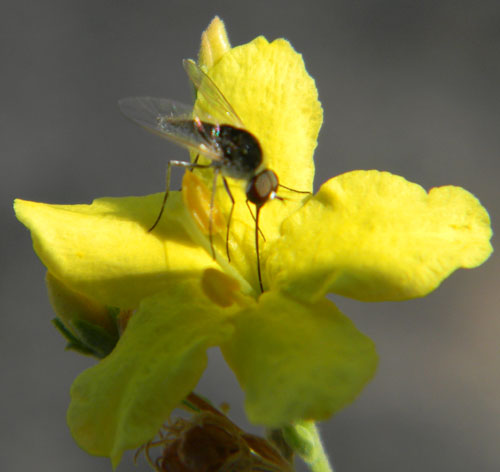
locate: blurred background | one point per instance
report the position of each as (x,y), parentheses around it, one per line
(408,87)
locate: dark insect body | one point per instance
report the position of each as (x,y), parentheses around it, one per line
(239,151)
(232,150)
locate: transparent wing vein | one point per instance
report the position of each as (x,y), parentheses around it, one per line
(214,97)
(171,120)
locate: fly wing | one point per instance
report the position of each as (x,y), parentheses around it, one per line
(171,120)
(206,87)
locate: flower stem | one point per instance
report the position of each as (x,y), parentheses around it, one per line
(320,462)
(305,440)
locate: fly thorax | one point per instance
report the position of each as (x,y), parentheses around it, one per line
(242,153)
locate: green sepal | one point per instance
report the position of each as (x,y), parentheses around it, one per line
(88,338)
(300,440)
(277,438)
(74,344)
(95,337)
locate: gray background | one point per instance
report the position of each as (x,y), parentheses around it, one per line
(409,87)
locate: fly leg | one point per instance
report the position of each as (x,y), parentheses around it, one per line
(226,186)
(253,216)
(257,231)
(212,203)
(185,165)
(294,190)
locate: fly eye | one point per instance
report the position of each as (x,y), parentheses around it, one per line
(261,188)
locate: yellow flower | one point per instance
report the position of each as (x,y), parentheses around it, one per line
(368,235)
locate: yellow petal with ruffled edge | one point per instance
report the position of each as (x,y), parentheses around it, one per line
(122,402)
(277,100)
(270,90)
(374,236)
(104,250)
(296,360)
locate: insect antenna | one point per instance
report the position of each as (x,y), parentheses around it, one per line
(294,190)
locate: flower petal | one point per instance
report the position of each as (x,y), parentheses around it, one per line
(121,402)
(277,100)
(374,236)
(297,361)
(70,305)
(269,88)
(104,250)
(214,43)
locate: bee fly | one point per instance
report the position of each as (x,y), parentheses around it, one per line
(233,151)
